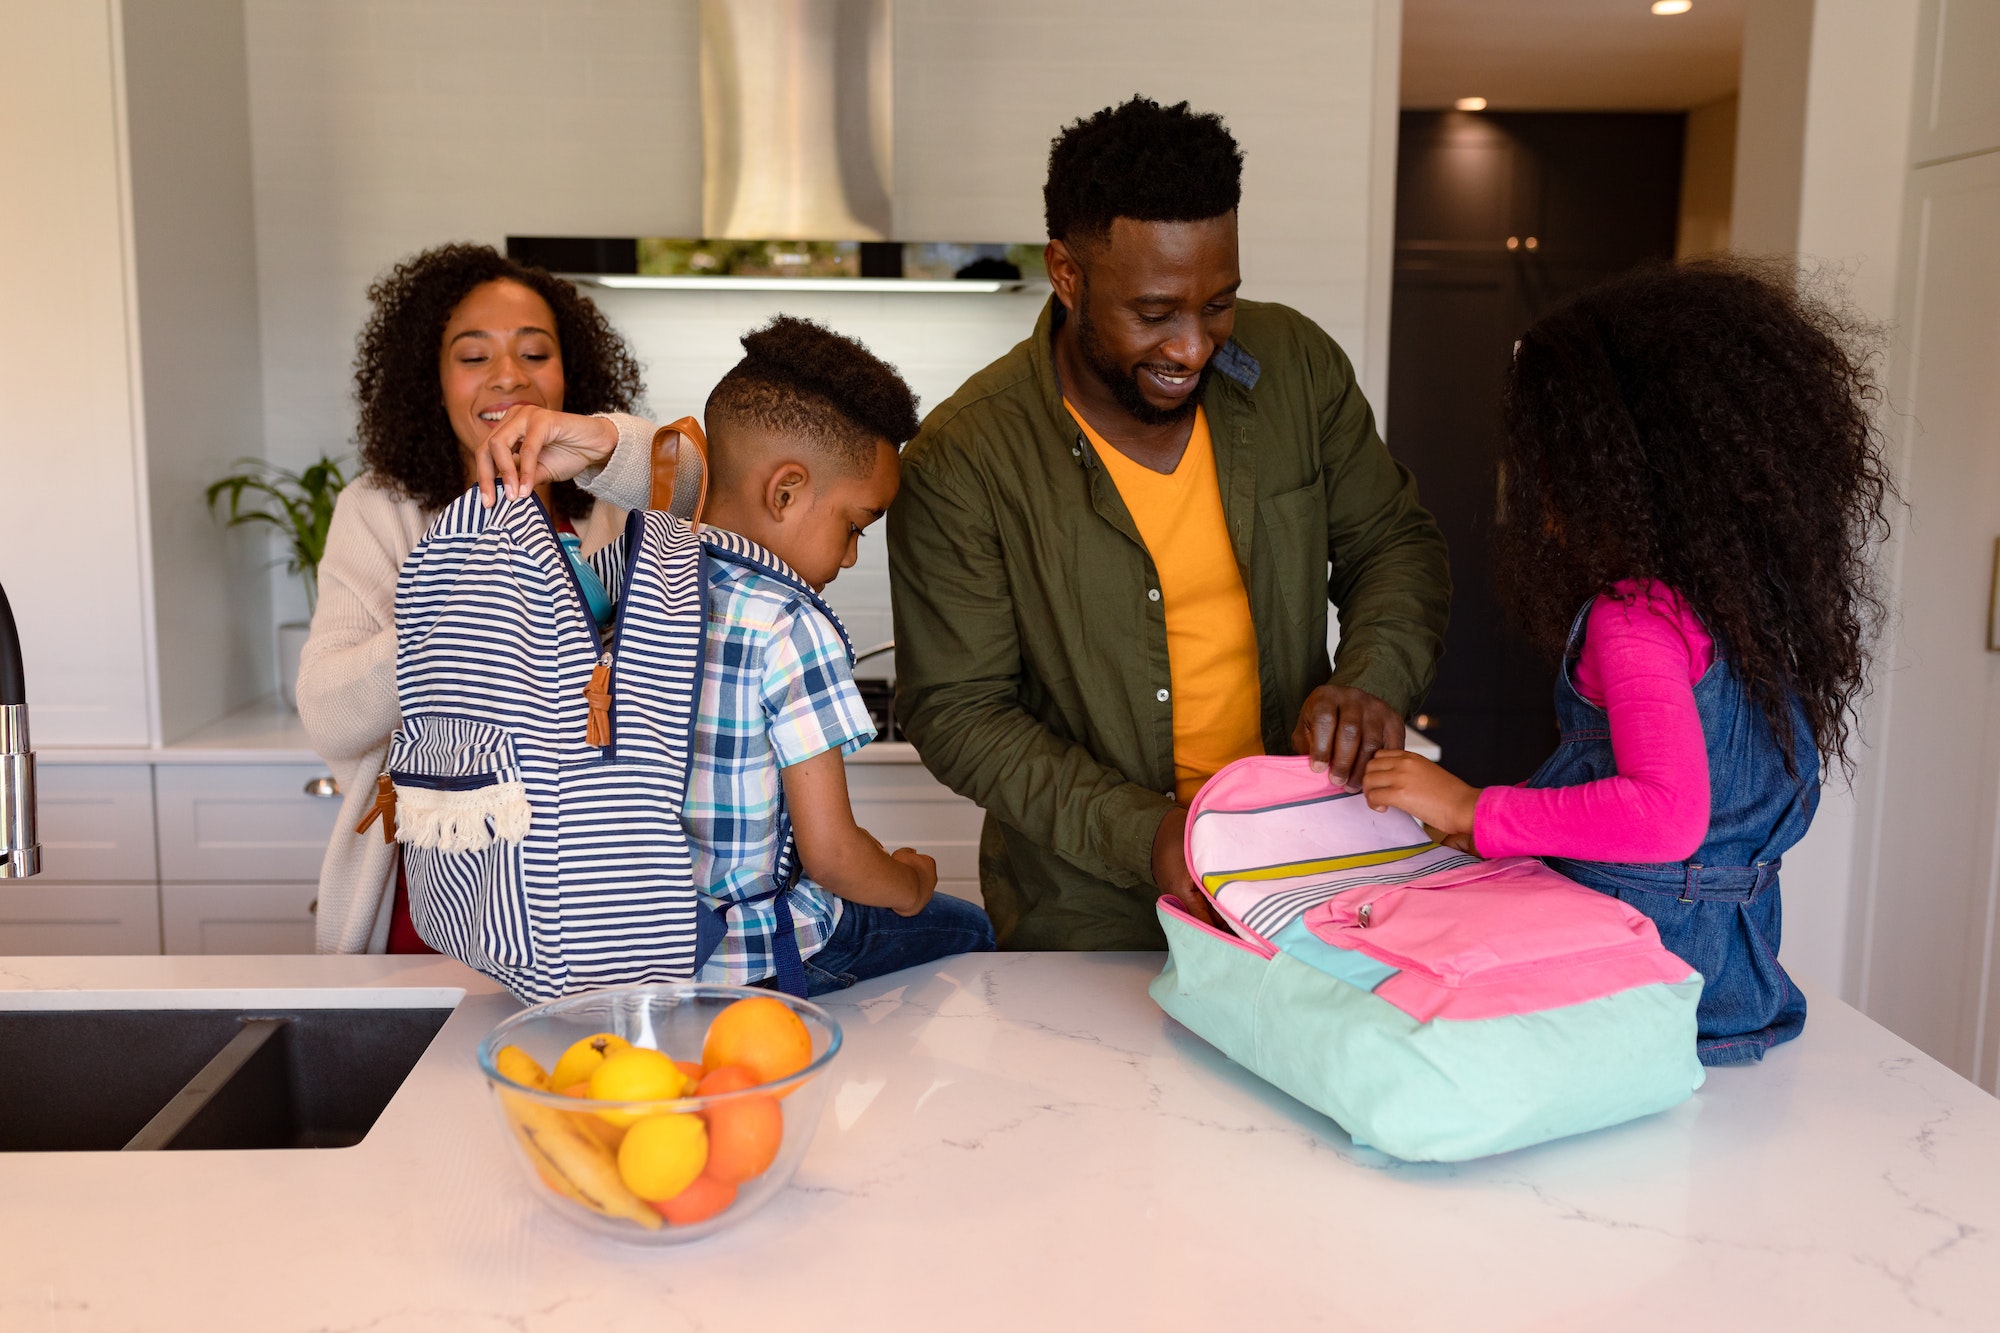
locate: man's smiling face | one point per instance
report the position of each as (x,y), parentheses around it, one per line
(1152,302)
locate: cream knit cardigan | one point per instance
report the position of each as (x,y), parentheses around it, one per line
(347,672)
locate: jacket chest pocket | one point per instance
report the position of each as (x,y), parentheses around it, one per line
(463,817)
(1293,538)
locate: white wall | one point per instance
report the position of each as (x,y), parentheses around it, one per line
(1823,128)
(379,129)
(194,274)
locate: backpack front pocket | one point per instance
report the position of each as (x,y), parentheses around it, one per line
(1498,921)
(462,815)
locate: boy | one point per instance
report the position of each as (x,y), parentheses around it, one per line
(803,436)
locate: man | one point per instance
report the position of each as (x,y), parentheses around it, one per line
(1110,554)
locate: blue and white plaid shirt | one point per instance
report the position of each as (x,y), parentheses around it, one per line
(777,689)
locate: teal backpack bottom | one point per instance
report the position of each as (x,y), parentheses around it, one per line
(1437,1090)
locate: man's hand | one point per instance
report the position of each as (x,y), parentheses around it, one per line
(1170,869)
(923,870)
(1341,728)
(1419,787)
(532,445)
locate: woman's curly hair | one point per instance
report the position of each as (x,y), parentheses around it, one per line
(1711,426)
(406,439)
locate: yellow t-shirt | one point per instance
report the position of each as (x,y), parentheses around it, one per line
(1211,641)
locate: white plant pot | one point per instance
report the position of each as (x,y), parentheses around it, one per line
(291,642)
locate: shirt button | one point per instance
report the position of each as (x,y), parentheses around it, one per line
(1161,696)
(1152,594)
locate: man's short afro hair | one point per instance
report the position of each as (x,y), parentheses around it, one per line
(804,379)
(1141,161)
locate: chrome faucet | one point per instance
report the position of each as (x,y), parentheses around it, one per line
(20,853)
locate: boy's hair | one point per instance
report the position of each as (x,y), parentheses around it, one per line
(802,379)
(1710,426)
(1141,161)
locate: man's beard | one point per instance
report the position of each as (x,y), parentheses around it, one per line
(1125,387)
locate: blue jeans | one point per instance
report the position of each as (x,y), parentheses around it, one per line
(874,941)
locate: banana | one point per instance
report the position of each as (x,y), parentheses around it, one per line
(589,1171)
(518,1065)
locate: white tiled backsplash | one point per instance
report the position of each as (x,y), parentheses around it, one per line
(688,340)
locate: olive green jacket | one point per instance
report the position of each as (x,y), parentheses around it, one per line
(1031,643)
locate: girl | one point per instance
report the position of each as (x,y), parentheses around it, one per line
(461,343)
(1691,484)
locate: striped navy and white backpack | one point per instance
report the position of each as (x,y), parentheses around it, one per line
(537,780)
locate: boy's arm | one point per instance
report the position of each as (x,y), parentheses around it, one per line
(838,854)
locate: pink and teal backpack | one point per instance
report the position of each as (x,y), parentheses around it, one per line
(1438,1006)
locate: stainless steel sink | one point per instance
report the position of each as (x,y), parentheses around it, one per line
(102,1079)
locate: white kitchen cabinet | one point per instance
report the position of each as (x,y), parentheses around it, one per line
(1958,99)
(129,359)
(237,918)
(221,823)
(1932,891)
(38,916)
(96,823)
(902,805)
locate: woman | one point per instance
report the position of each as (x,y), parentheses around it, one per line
(461,342)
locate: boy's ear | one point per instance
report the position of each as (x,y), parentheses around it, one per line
(786,488)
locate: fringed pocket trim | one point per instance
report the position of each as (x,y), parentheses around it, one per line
(462,821)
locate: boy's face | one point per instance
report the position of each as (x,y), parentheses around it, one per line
(818,521)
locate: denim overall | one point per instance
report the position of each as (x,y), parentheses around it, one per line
(1718,910)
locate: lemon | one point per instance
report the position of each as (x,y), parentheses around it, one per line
(635,1074)
(662,1155)
(581,1060)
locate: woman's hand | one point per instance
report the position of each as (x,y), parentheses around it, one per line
(533,445)
(1416,786)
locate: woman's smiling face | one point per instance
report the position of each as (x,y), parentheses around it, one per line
(499,351)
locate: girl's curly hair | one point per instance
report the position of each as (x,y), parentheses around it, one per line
(406,439)
(1711,426)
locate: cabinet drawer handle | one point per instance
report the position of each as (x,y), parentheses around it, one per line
(323,787)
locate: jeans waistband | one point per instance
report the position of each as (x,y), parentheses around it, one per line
(1689,881)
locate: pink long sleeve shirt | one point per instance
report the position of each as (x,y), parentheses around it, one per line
(1640,661)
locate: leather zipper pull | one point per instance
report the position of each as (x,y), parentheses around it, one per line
(384,809)
(597,730)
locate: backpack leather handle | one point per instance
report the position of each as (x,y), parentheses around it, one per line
(666,465)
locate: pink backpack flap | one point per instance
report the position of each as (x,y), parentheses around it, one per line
(1437,1005)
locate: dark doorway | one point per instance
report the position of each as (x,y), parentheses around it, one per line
(1499,217)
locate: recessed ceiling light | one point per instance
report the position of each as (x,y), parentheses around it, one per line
(1479,103)
(1672,6)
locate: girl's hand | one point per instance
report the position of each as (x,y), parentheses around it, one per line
(533,445)
(1416,786)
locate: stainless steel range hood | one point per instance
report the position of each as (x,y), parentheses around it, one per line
(797,102)
(797,99)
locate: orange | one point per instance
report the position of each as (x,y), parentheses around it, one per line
(762,1034)
(662,1155)
(727,1078)
(700,1201)
(693,1071)
(743,1136)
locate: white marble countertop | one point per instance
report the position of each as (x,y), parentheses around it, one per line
(1023,1141)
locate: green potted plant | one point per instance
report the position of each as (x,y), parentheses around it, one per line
(300,506)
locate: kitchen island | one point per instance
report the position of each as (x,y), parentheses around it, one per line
(1024,1141)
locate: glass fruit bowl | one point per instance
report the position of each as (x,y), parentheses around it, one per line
(636,1148)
